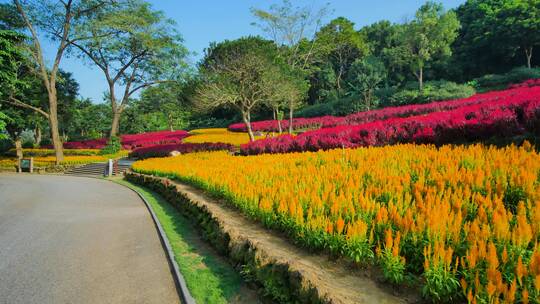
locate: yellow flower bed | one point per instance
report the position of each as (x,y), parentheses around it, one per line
(50,152)
(43,161)
(466,219)
(221,135)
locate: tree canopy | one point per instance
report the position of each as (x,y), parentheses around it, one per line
(245,74)
(134,46)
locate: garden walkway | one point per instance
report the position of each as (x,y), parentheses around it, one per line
(78,240)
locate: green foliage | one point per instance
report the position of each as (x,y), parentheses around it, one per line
(3,122)
(365,77)
(10,19)
(433,91)
(339,45)
(11,59)
(441,285)
(496,35)
(500,81)
(135,47)
(339,107)
(113,146)
(245,74)
(393,267)
(427,37)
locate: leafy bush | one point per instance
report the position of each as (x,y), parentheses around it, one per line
(500,81)
(209,122)
(433,91)
(318,109)
(113,146)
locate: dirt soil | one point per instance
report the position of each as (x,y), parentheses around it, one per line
(334,281)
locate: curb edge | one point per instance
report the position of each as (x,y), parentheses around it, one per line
(179,280)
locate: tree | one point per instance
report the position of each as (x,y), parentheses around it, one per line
(244,74)
(366,76)
(293,30)
(135,47)
(501,31)
(54,20)
(519,22)
(11,60)
(383,39)
(10,18)
(168,100)
(341,45)
(428,36)
(88,120)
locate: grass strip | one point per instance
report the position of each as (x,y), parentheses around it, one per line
(210,278)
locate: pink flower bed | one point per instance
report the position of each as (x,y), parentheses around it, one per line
(385,113)
(503,113)
(132,141)
(164,150)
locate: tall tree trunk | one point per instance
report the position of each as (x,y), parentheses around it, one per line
(278,120)
(170,122)
(18,147)
(528,54)
(291,112)
(37,135)
(53,122)
(421,79)
(246,117)
(115,126)
(338,80)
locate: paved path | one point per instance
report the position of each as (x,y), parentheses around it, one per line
(78,240)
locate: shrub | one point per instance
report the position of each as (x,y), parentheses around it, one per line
(113,146)
(516,75)
(433,91)
(318,109)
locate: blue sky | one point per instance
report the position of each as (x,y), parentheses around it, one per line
(204,21)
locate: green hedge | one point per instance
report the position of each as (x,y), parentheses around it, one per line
(501,81)
(433,91)
(392,96)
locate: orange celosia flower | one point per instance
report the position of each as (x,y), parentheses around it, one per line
(449,196)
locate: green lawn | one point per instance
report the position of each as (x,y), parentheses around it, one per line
(209,277)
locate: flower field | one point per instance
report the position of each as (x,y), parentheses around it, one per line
(217,135)
(507,113)
(387,113)
(463,220)
(132,141)
(165,150)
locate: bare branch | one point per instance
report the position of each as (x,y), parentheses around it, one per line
(126,66)
(144,85)
(63,42)
(37,53)
(16,102)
